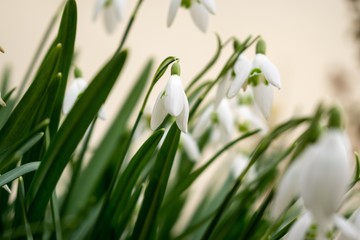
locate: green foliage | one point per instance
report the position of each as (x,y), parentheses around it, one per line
(137,183)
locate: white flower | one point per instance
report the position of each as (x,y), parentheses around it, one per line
(221,116)
(268,69)
(190,147)
(113,12)
(171,101)
(76,88)
(320,176)
(242,69)
(199,11)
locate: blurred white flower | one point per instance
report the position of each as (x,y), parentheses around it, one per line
(222,116)
(190,147)
(76,88)
(320,176)
(171,101)
(242,69)
(199,11)
(113,12)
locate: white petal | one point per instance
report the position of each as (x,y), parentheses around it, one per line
(199,15)
(348,231)
(223,87)
(119,8)
(6,188)
(299,229)
(174,6)
(239,164)
(247,114)
(263,97)
(225,116)
(71,95)
(210,5)
(98,6)
(288,189)
(159,113)
(326,176)
(204,122)
(102,113)
(183,117)
(190,147)
(242,69)
(174,96)
(269,70)
(110,19)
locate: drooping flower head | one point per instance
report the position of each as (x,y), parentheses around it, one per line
(113,12)
(259,75)
(172,100)
(199,11)
(320,177)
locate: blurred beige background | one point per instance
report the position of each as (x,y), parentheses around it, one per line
(308,41)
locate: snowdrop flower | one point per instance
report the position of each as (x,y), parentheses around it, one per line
(242,70)
(222,116)
(320,176)
(260,75)
(76,88)
(113,12)
(190,147)
(264,74)
(172,100)
(199,11)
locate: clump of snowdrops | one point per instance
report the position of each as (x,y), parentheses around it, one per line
(296,180)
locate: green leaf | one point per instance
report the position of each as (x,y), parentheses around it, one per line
(162,68)
(84,185)
(186,183)
(158,180)
(66,36)
(17,172)
(23,113)
(55,216)
(119,200)
(70,134)
(21,197)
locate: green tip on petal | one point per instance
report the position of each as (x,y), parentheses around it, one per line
(78,73)
(261,46)
(175,69)
(335,118)
(186,3)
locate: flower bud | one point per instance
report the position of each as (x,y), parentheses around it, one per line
(261,47)
(335,118)
(175,69)
(78,73)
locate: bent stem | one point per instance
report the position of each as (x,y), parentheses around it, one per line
(128,27)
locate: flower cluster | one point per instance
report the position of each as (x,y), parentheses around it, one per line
(320,176)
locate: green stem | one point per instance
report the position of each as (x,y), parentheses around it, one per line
(208,66)
(128,26)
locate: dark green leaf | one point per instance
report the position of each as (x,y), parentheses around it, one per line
(101,159)
(17,172)
(70,134)
(158,180)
